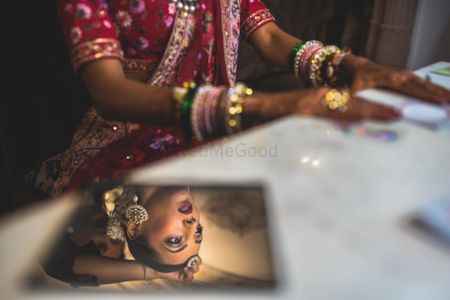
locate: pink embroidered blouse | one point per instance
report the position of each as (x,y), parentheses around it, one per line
(151,37)
(137,32)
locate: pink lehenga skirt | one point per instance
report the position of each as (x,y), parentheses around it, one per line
(103,149)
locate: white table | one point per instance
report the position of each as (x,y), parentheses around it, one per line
(341,226)
(341,207)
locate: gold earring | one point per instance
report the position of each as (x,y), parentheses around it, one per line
(137,213)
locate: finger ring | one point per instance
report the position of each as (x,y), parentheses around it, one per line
(336,100)
(193,261)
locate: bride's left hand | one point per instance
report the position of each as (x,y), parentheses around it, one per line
(183,276)
(367,74)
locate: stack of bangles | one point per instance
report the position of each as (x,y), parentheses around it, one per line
(319,65)
(316,63)
(207,111)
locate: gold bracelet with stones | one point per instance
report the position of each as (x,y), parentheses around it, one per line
(317,71)
(234,107)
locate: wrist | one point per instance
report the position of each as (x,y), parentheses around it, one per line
(149,274)
(252,110)
(268,107)
(352,63)
(258,109)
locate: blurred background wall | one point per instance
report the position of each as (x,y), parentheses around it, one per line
(431,38)
(397,33)
(340,22)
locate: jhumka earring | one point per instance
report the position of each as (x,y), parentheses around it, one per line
(135,212)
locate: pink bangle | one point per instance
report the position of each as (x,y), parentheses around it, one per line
(210,112)
(310,61)
(305,60)
(217,123)
(197,112)
(301,57)
(201,115)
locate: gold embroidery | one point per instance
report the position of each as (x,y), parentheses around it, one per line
(139,65)
(179,42)
(96,49)
(255,21)
(231,12)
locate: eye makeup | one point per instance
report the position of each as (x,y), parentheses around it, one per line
(174,240)
(198,236)
(173,244)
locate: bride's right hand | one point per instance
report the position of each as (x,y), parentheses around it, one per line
(309,102)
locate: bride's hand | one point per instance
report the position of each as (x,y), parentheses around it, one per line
(310,102)
(183,276)
(365,74)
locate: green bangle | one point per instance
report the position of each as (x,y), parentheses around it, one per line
(294,52)
(186,107)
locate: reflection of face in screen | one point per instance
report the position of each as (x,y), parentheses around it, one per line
(160,228)
(172,234)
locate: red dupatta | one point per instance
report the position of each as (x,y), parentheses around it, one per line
(180,59)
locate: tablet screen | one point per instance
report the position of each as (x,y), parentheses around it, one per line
(157,238)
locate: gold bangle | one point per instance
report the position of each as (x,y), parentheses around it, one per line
(234,108)
(318,61)
(179,94)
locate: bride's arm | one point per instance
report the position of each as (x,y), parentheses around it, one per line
(110,270)
(275,46)
(122,99)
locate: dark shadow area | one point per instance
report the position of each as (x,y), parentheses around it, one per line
(41,102)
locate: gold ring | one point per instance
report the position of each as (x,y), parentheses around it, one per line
(336,100)
(193,261)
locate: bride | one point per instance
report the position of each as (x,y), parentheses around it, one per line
(161,228)
(161,76)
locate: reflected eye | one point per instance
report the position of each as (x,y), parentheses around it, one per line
(198,234)
(174,240)
(199,230)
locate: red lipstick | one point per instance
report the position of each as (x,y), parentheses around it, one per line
(185,207)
